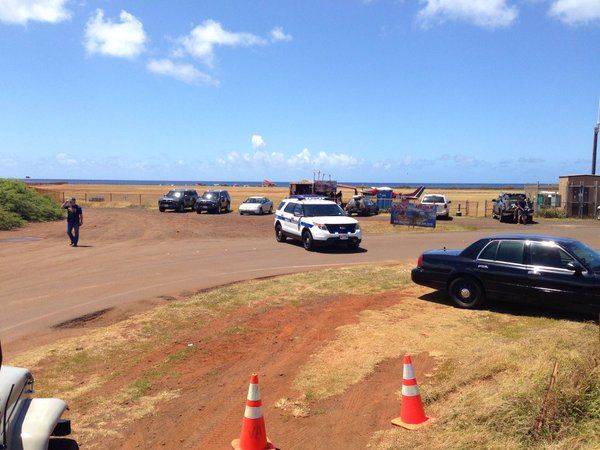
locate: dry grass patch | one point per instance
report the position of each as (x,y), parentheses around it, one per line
(380,226)
(491,374)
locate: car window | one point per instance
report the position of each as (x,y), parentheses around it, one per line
(321,210)
(548,254)
(489,252)
(586,254)
(290,207)
(281,205)
(510,251)
(298,210)
(433,199)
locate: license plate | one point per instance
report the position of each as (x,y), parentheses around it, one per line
(343,237)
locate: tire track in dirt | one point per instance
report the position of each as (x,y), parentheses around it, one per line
(276,342)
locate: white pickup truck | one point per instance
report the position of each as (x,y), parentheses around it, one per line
(28,423)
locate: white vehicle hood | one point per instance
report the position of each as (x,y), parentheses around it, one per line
(332,220)
(250,205)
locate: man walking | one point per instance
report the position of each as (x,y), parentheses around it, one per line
(74,220)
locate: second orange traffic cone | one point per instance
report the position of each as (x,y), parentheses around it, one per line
(412,414)
(254,434)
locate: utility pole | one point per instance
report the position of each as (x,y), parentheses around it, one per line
(595,151)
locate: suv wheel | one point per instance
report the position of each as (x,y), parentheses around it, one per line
(181,207)
(227,207)
(466,293)
(307,241)
(161,208)
(279,236)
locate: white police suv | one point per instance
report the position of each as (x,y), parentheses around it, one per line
(315,221)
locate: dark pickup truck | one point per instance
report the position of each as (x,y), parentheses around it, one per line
(505,208)
(549,270)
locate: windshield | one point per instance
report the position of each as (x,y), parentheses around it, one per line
(433,199)
(253,200)
(174,194)
(323,210)
(210,195)
(586,254)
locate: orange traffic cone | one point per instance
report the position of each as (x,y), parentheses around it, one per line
(254,435)
(412,414)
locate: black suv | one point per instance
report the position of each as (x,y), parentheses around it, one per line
(178,199)
(214,202)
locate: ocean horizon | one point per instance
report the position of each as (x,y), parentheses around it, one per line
(517,185)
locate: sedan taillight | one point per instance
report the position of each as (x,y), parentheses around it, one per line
(420,262)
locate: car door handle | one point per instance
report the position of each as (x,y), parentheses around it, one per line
(482,266)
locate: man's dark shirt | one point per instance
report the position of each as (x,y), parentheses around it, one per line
(73,214)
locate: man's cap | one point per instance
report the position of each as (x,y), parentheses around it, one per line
(73,199)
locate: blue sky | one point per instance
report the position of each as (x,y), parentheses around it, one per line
(379,90)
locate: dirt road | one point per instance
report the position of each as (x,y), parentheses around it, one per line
(132,258)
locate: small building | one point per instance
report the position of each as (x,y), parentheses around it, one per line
(580,194)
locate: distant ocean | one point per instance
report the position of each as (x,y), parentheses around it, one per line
(278,183)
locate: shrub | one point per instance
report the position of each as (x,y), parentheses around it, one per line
(20,203)
(9,220)
(552,213)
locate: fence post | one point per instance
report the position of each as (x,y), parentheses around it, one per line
(485,208)
(466,207)
(85,197)
(581,201)
(477,209)
(596,213)
(140,200)
(63,195)
(110,196)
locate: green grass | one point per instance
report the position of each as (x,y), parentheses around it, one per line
(551,213)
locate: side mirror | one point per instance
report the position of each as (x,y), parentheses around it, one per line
(449,201)
(575,267)
(296,214)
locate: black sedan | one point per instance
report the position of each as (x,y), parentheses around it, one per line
(550,270)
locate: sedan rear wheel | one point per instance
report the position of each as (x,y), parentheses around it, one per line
(466,293)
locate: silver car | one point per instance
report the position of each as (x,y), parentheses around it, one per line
(441,203)
(256,205)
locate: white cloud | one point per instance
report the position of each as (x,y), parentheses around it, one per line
(301,160)
(125,39)
(482,13)
(576,12)
(202,40)
(257,141)
(182,72)
(23,11)
(278,35)
(335,159)
(64,159)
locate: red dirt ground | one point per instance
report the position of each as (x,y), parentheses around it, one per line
(276,342)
